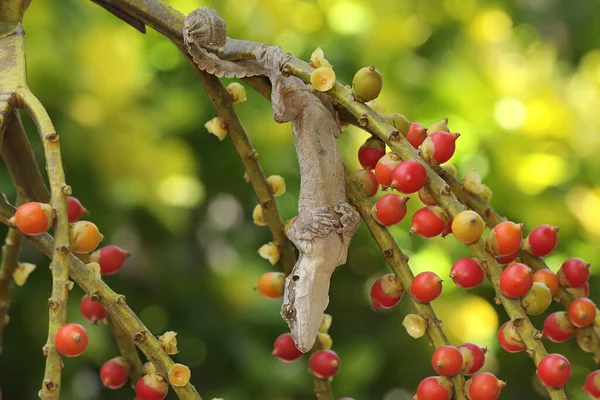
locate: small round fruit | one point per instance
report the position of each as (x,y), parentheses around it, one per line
(505,260)
(509,339)
(110,258)
(151,387)
(386,292)
(368,181)
(581,291)
(438,147)
(434,388)
(285,349)
(504,239)
(584,340)
(558,328)
(466,273)
(324,364)
(473,357)
(367,84)
(542,240)
(71,340)
(114,373)
(548,278)
(390,209)
(33,218)
(582,312)
(85,237)
(384,168)
(415,325)
(271,285)
(537,300)
(447,361)
(429,221)
(416,135)
(408,177)
(484,386)
(554,370)
(439,126)
(574,272)
(426,197)
(516,280)
(371,152)
(426,287)
(399,122)
(467,226)
(322,79)
(92,310)
(592,384)
(74,209)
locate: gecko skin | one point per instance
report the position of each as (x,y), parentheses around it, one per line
(326,222)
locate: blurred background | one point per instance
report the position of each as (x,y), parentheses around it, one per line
(519,79)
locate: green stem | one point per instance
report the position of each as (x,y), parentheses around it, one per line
(127,349)
(10,261)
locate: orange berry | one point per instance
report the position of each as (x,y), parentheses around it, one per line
(504,239)
(548,278)
(85,237)
(271,285)
(33,218)
(582,312)
(467,226)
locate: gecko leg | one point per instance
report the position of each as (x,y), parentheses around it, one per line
(350,221)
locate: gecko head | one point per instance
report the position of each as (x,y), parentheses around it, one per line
(204,26)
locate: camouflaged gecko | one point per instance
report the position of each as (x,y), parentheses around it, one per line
(326,222)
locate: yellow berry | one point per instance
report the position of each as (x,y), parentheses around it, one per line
(237,92)
(270,251)
(277,184)
(22,272)
(168,341)
(217,127)
(317,59)
(258,216)
(467,226)
(367,84)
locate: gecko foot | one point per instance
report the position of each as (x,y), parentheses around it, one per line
(350,219)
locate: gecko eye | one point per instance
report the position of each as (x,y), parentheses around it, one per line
(295,278)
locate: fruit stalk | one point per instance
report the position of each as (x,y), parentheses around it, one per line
(10,260)
(126,349)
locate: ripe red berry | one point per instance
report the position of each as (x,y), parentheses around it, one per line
(416,134)
(466,273)
(558,328)
(582,312)
(473,357)
(554,370)
(426,197)
(110,258)
(429,221)
(74,209)
(386,292)
(71,340)
(505,260)
(370,152)
(447,360)
(92,310)
(548,278)
(516,280)
(434,388)
(285,349)
(439,147)
(504,239)
(592,384)
(33,218)
(114,373)
(408,177)
(390,209)
(574,272)
(484,386)
(324,364)
(509,339)
(385,167)
(151,387)
(368,181)
(542,240)
(426,287)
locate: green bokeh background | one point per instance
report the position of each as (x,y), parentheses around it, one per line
(520,80)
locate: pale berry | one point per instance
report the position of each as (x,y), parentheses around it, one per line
(542,240)
(151,387)
(386,292)
(71,340)
(434,388)
(370,152)
(447,360)
(33,218)
(504,239)
(473,357)
(592,384)
(390,209)
(581,291)
(92,310)
(467,226)
(584,340)
(426,197)
(426,287)
(110,258)
(384,168)
(509,339)
(582,312)
(537,300)
(114,373)
(324,364)
(574,272)
(285,349)
(484,386)
(429,221)
(548,278)
(466,273)
(438,147)
(416,134)
(516,280)
(408,177)
(399,122)
(554,370)
(439,126)
(558,328)
(368,181)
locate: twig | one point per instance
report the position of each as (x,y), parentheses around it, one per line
(115,304)
(127,349)
(10,261)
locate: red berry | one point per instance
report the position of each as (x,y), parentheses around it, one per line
(516,280)
(554,370)
(505,260)
(408,177)
(434,388)
(114,373)
(447,361)
(509,339)
(426,197)
(473,357)
(92,310)
(74,209)
(466,273)
(582,312)
(426,287)
(484,386)
(558,328)
(574,272)
(542,240)
(33,218)
(548,278)
(581,291)
(386,292)
(324,364)
(390,209)
(110,258)
(385,167)
(285,349)
(151,387)
(71,340)
(592,384)
(370,152)
(504,239)
(429,221)
(439,147)
(448,229)
(368,181)
(416,134)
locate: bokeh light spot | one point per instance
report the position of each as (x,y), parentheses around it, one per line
(348,18)
(539,171)
(510,113)
(415,31)
(307,17)
(181,191)
(471,319)
(490,26)
(192,350)
(224,211)
(156,318)
(164,56)
(86,110)
(585,205)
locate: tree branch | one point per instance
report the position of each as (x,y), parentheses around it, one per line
(127,349)
(10,261)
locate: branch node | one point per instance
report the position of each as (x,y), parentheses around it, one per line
(95,296)
(52,304)
(67,190)
(51,137)
(121,299)
(64,249)
(139,337)
(363,120)
(253,155)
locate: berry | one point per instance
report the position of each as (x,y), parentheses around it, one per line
(368,181)
(574,272)
(384,168)
(473,357)
(271,285)
(438,147)
(386,292)
(542,240)
(114,373)
(558,328)
(367,84)
(448,229)
(548,278)
(285,349)
(509,338)
(399,122)
(426,287)
(581,291)
(516,280)
(324,364)
(322,78)
(467,226)
(179,375)
(85,237)
(427,198)
(415,325)
(110,258)
(504,239)
(466,273)
(74,209)
(472,183)
(416,135)
(434,388)
(484,386)
(317,59)
(71,340)
(505,260)
(592,384)
(371,152)
(237,93)
(92,310)
(582,312)
(390,209)
(439,126)
(554,370)
(537,300)
(429,221)
(447,361)
(408,177)
(33,218)
(151,387)
(583,341)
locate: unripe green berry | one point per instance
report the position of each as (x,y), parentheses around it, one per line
(367,84)
(399,122)
(537,300)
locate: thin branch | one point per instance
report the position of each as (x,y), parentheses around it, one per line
(13,10)
(10,261)
(127,349)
